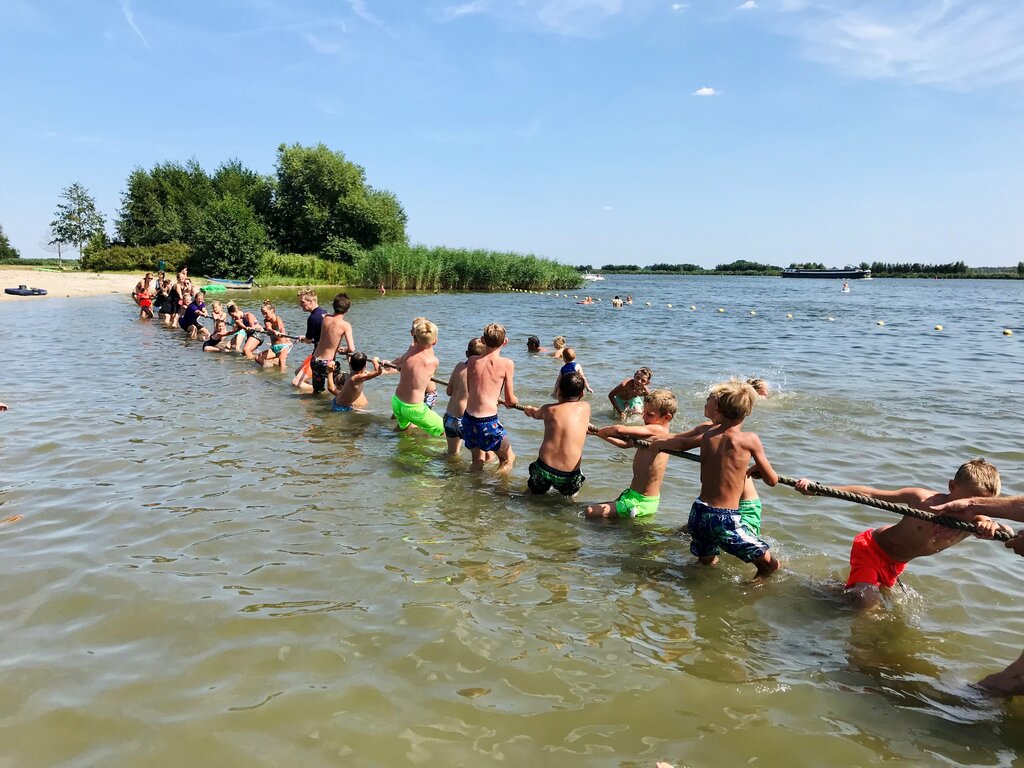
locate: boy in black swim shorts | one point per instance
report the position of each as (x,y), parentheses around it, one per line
(565,431)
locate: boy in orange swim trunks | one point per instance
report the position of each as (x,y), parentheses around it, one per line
(880,555)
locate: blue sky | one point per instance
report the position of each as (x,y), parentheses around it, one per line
(590,131)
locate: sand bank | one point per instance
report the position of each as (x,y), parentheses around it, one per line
(65,284)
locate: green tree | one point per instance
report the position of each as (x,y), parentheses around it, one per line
(233,178)
(228,240)
(7,251)
(164,204)
(321,196)
(77,219)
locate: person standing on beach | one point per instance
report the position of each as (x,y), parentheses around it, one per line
(486,376)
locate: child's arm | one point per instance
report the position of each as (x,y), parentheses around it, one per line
(607,434)
(987,527)
(510,395)
(534,413)
(377,370)
(910,496)
(683,441)
(611,397)
(554,389)
(450,389)
(330,383)
(350,339)
(761,468)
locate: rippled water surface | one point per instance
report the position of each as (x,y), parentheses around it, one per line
(212,570)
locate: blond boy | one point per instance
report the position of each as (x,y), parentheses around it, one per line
(417,365)
(725,452)
(458,395)
(486,376)
(565,431)
(880,555)
(642,497)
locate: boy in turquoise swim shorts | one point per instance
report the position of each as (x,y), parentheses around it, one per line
(628,397)
(565,431)
(644,493)
(416,367)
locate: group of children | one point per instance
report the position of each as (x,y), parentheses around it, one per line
(726,516)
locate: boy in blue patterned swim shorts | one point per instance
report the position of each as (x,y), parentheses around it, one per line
(486,376)
(644,493)
(725,453)
(457,397)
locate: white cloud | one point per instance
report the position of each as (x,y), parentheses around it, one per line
(466,9)
(679,7)
(359,9)
(958,44)
(573,17)
(607,208)
(327,47)
(126,10)
(748,5)
(705,91)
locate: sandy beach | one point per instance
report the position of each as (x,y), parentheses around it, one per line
(65,284)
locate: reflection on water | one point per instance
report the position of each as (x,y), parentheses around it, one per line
(211,569)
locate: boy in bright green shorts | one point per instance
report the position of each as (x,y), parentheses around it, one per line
(642,497)
(416,367)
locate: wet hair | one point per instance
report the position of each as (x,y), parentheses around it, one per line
(494,335)
(735,399)
(533,344)
(559,342)
(760,386)
(232,308)
(341,303)
(475,347)
(980,475)
(645,371)
(568,354)
(570,386)
(662,401)
(424,331)
(357,361)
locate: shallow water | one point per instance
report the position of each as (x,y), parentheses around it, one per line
(212,570)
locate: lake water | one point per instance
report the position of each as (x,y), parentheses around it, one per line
(211,570)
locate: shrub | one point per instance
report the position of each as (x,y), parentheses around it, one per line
(229,240)
(122,258)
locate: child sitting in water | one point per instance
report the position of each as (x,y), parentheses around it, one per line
(879,556)
(571,366)
(348,388)
(220,329)
(189,321)
(557,346)
(533,345)
(725,452)
(628,397)
(565,431)
(644,493)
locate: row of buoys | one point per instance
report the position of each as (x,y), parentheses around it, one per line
(693,308)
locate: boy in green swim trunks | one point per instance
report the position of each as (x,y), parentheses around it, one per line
(565,432)
(417,366)
(644,492)
(628,397)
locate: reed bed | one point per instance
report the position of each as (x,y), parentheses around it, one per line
(297,269)
(422,268)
